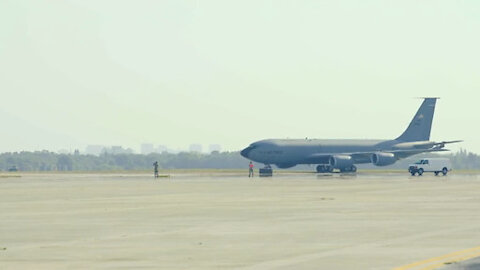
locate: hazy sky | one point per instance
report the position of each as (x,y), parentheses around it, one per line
(82,72)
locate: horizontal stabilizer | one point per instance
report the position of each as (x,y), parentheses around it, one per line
(442,144)
(446,142)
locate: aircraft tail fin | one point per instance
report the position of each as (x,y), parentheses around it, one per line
(421,124)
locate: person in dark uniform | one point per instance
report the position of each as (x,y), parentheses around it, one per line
(155,169)
(250,169)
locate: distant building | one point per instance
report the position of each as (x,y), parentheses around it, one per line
(117,149)
(161,148)
(214,148)
(94,149)
(146,148)
(196,148)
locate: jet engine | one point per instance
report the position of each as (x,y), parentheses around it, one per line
(383,159)
(340,162)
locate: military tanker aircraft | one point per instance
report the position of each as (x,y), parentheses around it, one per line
(342,155)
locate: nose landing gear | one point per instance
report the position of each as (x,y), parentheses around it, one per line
(265,171)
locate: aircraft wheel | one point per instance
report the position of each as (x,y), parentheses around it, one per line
(322,169)
(420,172)
(444,171)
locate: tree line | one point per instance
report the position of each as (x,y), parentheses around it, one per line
(50,161)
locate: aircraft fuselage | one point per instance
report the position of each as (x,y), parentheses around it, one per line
(343,154)
(287,153)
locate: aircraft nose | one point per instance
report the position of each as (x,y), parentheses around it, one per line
(246,151)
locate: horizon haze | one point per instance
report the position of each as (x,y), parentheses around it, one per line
(82,72)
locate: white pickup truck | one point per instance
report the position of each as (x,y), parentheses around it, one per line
(435,165)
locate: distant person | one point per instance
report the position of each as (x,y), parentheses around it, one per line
(155,169)
(250,169)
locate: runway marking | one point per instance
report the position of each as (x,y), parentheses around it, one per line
(436,262)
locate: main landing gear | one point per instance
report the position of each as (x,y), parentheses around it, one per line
(326,168)
(352,168)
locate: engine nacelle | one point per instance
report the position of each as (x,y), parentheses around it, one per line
(340,162)
(383,159)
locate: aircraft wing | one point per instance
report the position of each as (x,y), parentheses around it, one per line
(365,157)
(398,153)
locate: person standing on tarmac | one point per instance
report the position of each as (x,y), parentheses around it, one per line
(155,169)
(250,169)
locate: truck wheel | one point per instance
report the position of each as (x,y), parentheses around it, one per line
(420,172)
(436,173)
(444,171)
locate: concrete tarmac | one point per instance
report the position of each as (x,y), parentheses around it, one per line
(228,221)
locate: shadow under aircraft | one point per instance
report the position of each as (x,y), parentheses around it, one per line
(342,155)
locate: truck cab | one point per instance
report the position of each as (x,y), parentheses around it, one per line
(435,165)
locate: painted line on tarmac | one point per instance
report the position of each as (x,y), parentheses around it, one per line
(444,260)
